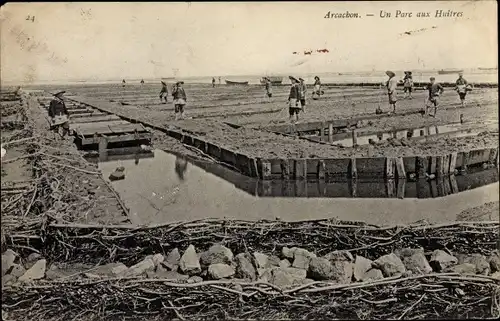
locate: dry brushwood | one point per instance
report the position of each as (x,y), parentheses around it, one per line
(425,297)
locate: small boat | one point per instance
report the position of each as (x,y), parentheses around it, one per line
(274,80)
(228,82)
(492,68)
(449,71)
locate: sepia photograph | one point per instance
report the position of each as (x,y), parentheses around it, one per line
(334,160)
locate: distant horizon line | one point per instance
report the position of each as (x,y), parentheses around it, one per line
(279,74)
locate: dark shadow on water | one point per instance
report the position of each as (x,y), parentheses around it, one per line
(181,164)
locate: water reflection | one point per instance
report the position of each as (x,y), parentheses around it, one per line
(166,188)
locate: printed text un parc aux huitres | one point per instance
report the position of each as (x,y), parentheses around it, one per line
(396,14)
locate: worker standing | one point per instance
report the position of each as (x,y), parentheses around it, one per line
(58,114)
(317,88)
(180,100)
(302,94)
(391,89)
(293,100)
(123,83)
(219,81)
(269,87)
(213,82)
(164,92)
(435,90)
(461,86)
(408,84)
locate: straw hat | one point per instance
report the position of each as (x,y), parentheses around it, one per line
(163,83)
(60,93)
(301,79)
(293,78)
(390,73)
(179,83)
(316,77)
(433,78)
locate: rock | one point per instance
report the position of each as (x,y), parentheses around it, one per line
(172,260)
(284,263)
(494,261)
(288,253)
(195,279)
(440,260)
(390,265)
(320,269)
(111,269)
(287,277)
(274,260)
(361,266)
(162,273)
(301,258)
(496,275)
(342,271)
(8,279)
(8,259)
(244,267)
(219,270)
(17,270)
(478,260)
(464,268)
(372,275)
(92,275)
(115,176)
(261,260)
(36,272)
(217,253)
(189,262)
(158,259)
(415,261)
(339,256)
(140,268)
(31,260)
(264,275)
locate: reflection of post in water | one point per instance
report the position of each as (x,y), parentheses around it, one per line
(103,149)
(136,158)
(401,184)
(180,167)
(353,187)
(390,187)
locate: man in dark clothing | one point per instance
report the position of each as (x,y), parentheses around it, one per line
(302,94)
(317,88)
(269,87)
(213,82)
(164,92)
(461,86)
(435,90)
(123,83)
(59,114)
(180,100)
(293,100)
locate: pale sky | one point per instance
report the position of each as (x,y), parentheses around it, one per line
(148,40)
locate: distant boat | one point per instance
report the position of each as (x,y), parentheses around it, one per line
(492,68)
(449,71)
(228,82)
(274,80)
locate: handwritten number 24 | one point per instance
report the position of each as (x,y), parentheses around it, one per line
(32,18)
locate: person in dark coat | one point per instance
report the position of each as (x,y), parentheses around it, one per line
(302,94)
(213,82)
(164,92)
(461,86)
(58,114)
(317,92)
(293,100)
(123,83)
(269,87)
(408,84)
(180,100)
(435,90)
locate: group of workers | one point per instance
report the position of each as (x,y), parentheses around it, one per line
(179,97)
(434,89)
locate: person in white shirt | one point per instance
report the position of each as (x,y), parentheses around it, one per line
(391,85)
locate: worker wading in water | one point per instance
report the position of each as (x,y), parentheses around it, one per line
(123,83)
(317,88)
(435,90)
(59,115)
(408,84)
(180,100)
(293,100)
(269,87)
(164,92)
(302,94)
(461,86)
(391,85)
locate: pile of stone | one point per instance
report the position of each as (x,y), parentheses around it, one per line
(293,267)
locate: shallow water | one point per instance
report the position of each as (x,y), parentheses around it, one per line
(165,188)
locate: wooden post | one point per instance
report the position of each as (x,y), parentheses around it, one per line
(353,187)
(103,146)
(440,186)
(390,187)
(453,162)
(432,167)
(300,168)
(440,164)
(322,132)
(389,167)
(321,169)
(401,188)
(265,170)
(446,164)
(422,163)
(370,150)
(354,138)
(353,171)
(454,185)
(400,167)
(493,156)
(434,191)
(422,133)
(330,132)
(285,169)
